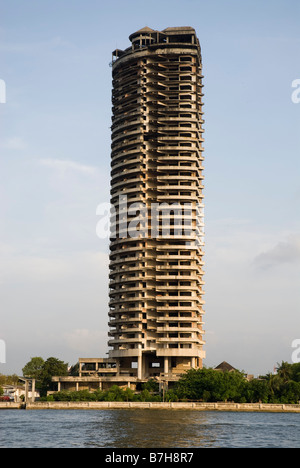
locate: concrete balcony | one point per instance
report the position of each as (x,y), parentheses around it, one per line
(168,329)
(123,300)
(125,153)
(178,340)
(178,352)
(121,310)
(116,128)
(169,319)
(124,331)
(126,162)
(124,173)
(115,322)
(124,340)
(127,181)
(193,299)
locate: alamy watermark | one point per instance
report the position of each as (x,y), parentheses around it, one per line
(150,221)
(2,92)
(296,353)
(2,352)
(296,93)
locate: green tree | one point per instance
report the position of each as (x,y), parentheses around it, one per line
(257,391)
(51,367)
(290,392)
(211,385)
(151,385)
(115,393)
(99,395)
(284,371)
(235,386)
(171,395)
(33,369)
(9,379)
(295,372)
(129,394)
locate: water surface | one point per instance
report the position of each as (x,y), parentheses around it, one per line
(140,428)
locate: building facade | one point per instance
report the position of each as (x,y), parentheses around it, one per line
(156,246)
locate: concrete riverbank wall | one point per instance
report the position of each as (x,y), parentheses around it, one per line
(9,405)
(196,406)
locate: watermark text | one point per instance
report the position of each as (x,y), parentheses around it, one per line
(2,352)
(2,92)
(155,220)
(296,94)
(296,353)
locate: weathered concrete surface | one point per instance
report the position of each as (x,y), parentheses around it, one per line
(10,405)
(101,405)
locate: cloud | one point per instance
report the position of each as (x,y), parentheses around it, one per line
(285,252)
(14,143)
(64,166)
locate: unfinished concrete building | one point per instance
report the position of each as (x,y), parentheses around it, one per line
(156,276)
(156,259)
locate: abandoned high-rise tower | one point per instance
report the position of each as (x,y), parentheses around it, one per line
(156,240)
(156,278)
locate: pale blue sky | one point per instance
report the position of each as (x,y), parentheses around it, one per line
(55,167)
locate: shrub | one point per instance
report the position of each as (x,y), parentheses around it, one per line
(4,398)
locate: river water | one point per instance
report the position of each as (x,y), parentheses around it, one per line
(138,428)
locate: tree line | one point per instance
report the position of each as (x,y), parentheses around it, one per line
(40,370)
(207,385)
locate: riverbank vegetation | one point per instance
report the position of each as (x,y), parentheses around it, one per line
(207,385)
(8,379)
(43,371)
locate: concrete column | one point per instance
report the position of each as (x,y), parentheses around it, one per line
(33,391)
(77,386)
(166,365)
(144,368)
(140,364)
(58,386)
(26,391)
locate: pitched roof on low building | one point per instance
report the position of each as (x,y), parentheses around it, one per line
(224,366)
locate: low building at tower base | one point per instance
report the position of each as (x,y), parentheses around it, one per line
(102,373)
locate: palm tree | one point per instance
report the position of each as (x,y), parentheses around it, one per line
(284,371)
